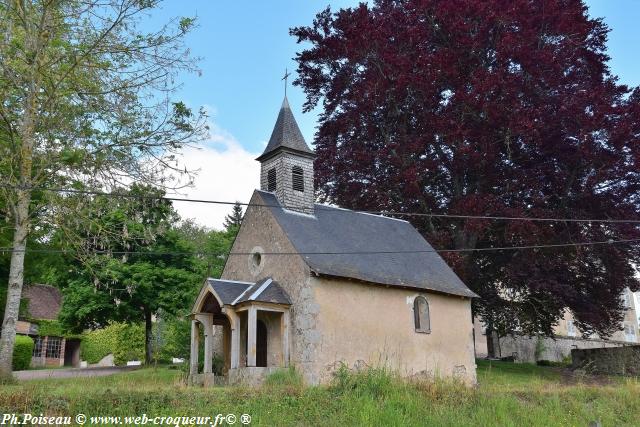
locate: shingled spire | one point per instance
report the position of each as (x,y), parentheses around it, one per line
(286,135)
(287,164)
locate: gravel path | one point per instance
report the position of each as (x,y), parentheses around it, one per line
(38,374)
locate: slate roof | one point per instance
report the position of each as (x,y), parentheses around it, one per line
(265,290)
(286,134)
(331,232)
(233,292)
(44,301)
(228,290)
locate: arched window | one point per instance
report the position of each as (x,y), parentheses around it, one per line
(421,314)
(271,180)
(297,178)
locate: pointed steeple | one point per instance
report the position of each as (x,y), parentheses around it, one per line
(286,166)
(286,135)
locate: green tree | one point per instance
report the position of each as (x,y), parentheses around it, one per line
(86,102)
(133,264)
(211,246)
(234,219)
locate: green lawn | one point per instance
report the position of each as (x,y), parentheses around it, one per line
(508,394)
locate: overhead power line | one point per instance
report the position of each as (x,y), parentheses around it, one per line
(172,253)
(329,208)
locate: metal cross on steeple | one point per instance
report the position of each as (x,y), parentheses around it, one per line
(286,76)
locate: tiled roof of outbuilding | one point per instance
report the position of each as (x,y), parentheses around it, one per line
(44,301)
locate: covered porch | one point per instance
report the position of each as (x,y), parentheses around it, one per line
(245,325)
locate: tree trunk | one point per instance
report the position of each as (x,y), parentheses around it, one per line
(26,135)
(148,337)
(491,349)
(16,280)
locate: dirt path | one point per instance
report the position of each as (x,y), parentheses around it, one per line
(39,374)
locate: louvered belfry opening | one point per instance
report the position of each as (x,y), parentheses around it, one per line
(297,178)
(271,180)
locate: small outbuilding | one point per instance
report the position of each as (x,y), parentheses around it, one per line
(42,309)
(317,287)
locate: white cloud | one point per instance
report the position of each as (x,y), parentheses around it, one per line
(227,172)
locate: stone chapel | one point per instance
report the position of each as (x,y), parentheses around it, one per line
(315,286)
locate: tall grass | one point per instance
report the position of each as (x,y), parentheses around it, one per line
(286,377)
(507,395)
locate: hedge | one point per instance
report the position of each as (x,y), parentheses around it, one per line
(171,338)
(22,352)
(124,341)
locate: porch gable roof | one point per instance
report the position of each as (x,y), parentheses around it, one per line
(232,292)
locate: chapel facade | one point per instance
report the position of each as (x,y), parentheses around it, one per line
(317,287)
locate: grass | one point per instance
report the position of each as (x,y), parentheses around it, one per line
(508,395)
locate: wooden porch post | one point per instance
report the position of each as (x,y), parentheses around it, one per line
(251,336)
(234,320)
(284,330)
(207,325)
(193,367)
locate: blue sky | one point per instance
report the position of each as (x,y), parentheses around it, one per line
(245,48)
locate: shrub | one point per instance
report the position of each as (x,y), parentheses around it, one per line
(174,339)
(129,344)
(22,353)
(124,341)
(97,344)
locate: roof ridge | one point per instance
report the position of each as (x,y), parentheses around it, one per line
(231,281)
(324,207)
(265,284)
(360,212)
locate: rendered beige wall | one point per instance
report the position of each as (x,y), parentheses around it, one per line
(369,325)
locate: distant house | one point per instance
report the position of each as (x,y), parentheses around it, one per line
(567,336)
(51,347)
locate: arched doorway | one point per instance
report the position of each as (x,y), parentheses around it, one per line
(261,344)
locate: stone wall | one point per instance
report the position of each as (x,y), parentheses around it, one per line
(260,231)
(609,361)
(555,349)
(252,376)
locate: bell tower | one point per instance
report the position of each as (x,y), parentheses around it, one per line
(286,165)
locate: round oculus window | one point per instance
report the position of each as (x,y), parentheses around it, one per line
(256,259)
